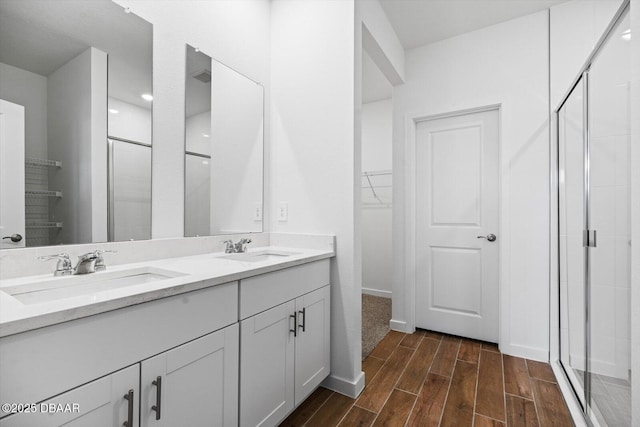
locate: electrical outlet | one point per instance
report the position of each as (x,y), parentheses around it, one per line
(257,212)
(283,212)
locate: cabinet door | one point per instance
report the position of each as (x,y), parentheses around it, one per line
(266,366)
(100,403)
(193,385)
(313,350)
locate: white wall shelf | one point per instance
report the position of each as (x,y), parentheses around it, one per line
(42,162)
(43,193)
(376,186)
(44,224)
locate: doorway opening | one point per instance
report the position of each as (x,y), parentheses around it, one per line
(376,188)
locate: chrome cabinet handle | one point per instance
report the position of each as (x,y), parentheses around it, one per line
(295,324)
(158,405)
(304,318)
(129,397)
(15,238)
(489,237)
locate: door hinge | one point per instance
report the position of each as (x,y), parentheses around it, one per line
(589,238)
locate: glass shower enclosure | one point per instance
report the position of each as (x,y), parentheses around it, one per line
(594,233)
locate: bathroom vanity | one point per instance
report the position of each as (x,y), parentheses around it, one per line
(211,339)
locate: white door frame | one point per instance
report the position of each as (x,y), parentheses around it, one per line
(410,220)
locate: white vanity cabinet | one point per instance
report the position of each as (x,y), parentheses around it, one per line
(110,401)
(285,349)
(190,340)
(243,353)
(195,384)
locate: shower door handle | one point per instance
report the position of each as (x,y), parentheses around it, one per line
(489,237)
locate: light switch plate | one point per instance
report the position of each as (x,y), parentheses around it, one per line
(283,212)
(257,212)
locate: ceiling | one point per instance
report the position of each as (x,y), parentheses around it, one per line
(42,35)
(420,22)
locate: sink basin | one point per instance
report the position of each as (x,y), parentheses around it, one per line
(258,256)
(71,286)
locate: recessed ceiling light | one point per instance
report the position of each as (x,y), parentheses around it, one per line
(626,35)
(205,162)
(147,96)
(206,135)
(113,111)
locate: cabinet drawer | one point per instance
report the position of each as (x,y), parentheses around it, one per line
(260,293)
(48,361)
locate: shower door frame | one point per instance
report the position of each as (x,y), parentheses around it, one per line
(555,336)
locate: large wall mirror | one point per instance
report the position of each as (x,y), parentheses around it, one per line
(80,75)
(223,149)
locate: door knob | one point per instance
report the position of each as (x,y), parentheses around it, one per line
(15,238)
(489,237)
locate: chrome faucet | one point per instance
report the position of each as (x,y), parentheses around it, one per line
(63,267)
(91,262)
(239,247)
(86,263)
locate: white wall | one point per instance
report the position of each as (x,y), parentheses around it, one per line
(377,118)
(505,64)
(29,90)
(233,32)
(77,106)
(575,28)
(197,198)
(131,191)
(236,151)
(198,126)
(197,221)
(380,40)
(131,122)
(377,248)
(635,210)
(314,164)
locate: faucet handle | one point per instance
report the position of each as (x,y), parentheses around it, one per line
(104,251)
(241,246)
(229,247)
(63,267)
(100,265)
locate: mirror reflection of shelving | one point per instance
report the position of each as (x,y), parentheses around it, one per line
(40,228)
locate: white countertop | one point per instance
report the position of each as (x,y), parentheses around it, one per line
(197,272)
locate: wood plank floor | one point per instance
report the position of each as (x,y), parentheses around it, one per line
(432,379)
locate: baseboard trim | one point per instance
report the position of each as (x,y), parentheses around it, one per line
(377,292)
(351,389)
(533,353)
(400,326)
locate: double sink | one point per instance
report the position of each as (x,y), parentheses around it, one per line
(43,291)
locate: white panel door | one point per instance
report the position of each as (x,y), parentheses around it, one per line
(313,347)
(11,174)
(193,385)
(456,220)
(267,366)
(110,401)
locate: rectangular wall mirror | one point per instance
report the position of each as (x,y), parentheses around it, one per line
(79,73)
(223,149)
